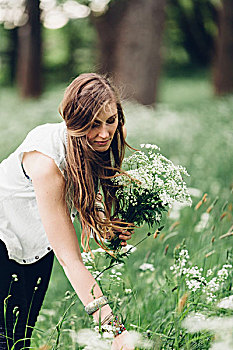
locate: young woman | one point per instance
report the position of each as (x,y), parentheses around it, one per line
(54,175)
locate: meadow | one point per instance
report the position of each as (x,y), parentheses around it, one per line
(174,280)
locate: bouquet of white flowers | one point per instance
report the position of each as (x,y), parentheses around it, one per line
(150,185)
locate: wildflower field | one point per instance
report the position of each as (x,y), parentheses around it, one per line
(174,288)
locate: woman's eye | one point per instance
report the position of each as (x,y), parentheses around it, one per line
(111,120)
(95,125)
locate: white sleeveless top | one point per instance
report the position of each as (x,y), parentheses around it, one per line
(21,228)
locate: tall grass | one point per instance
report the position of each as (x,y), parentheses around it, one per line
(192,128)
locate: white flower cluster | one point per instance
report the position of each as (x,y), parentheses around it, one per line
(194,278)
(215,283)
(149,145)
(226,303)
(115,275)
(87,258)
(154,182)
(89,262)
(180,262)
(93,340)
(108,331)
(146,266)
(128,247)
(202,224)
(220,326)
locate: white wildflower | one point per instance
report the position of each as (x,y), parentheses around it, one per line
(195,279)
(194,192)
(128,247)
(221,326)
(146,266)
(226,303)
(193,285)
(119,266)
(86,257)
(174,214)
(197,322)
(128,291)
(91,340)
(135,339)
(192,322)
(202,224)
(225,344)
(149,145)
(98,250)
(15,277)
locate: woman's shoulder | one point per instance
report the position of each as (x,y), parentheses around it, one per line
(40,166)
(46,137)
(45,143)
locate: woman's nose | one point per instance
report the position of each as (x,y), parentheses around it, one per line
(103,132)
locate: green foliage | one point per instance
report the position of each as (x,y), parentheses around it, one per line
(69,51)
(189,34)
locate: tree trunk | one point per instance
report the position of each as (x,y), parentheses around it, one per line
(29,52)
(223,64)
(130,36)
(13,49)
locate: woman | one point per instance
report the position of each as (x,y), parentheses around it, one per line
(53,176)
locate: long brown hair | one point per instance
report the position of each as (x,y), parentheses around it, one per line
(85,167)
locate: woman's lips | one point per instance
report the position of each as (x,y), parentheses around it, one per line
(101,143)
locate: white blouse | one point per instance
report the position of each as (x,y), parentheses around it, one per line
(21,228)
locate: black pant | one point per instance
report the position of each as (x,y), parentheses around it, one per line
(26,295)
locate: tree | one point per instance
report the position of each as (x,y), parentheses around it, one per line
(223,63)
(29,52)
(130,36)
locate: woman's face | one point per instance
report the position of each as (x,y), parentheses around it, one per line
(104,127)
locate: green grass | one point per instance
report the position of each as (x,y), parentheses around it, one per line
(193,129)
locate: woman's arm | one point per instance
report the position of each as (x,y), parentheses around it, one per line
(49,185)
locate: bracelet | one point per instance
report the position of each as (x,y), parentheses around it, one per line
(117,326)
(96,304)
(114,327)
(100,209)
(107,319)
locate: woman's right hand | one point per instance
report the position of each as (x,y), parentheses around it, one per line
(122,342)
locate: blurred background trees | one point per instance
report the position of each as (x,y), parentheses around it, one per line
(45,42)
(130,36)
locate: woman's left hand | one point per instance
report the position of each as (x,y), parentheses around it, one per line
(124,235)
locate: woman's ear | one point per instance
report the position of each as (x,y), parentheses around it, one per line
(124,131)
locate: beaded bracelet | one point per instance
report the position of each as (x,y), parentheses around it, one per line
(114,327)
(96,304)
(117,326)
(100,210)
